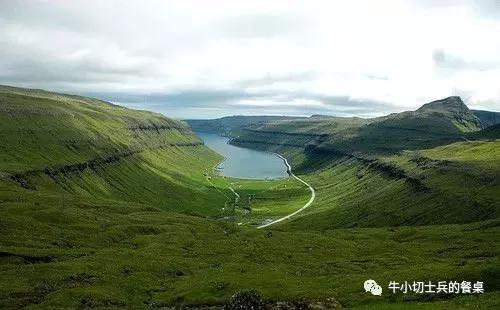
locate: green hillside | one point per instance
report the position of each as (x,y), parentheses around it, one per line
(492,133)
(107,207)
(487,118)
(377,172)
(73,146)
(436,123)
(455,183)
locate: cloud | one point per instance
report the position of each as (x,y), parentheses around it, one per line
(199,59)
(375,77)
(194,97)
(305,105)
(452,63)
(487,8)
(270,79)
(217,102)
(262,25)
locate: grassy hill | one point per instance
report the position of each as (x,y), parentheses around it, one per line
(455,183)
(377,172)
(434,124)
(73,146)
(106,207)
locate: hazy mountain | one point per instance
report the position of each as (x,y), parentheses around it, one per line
(487,118)
(226,124)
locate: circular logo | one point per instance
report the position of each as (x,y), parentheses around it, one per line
(372,287)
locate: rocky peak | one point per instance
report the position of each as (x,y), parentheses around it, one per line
(452,104)
(453,107)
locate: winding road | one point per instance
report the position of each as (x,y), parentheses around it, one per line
(313,196)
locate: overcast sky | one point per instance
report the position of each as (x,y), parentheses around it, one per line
(203,59)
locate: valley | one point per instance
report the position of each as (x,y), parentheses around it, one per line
(107,207)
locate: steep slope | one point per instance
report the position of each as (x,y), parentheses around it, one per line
(86,190)
(491,132)
(82,147)
(455,183)
(297,133)
(439,122)
(374,172)
(435,123)
(454,109)
(487,118)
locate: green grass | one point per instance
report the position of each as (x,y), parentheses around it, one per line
(456,183)
(268,200)
(106,207)
(40,129)
(89,149)
(402,169)
(436,123)
(111,254)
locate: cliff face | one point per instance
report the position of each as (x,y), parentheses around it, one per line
(435,123)
(43,129)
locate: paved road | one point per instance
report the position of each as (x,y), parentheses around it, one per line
(313,196)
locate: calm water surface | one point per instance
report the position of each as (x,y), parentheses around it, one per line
(242,162)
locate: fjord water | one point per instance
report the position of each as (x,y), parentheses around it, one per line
(244,163)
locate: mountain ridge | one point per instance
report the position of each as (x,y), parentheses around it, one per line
(487,118)
(123,209)
(451,107)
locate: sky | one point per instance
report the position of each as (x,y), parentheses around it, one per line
(207,59)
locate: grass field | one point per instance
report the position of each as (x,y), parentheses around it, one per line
(269,200)
(106,207)
(115,255)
